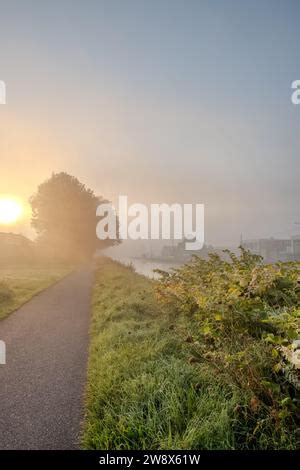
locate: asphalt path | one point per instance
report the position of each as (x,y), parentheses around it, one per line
(42,383)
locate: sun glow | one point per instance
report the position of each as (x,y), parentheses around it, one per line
(11,210)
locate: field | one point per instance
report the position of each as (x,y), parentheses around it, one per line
(18,284)
(149,387)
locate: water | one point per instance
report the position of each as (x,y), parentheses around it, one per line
(146,267)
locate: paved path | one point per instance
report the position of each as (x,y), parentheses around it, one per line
(42,384)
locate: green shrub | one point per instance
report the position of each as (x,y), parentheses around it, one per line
(239,315)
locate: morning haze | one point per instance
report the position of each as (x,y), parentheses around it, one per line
(163,102)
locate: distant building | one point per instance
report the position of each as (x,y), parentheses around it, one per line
(179,252)
(273,249)
(15,247)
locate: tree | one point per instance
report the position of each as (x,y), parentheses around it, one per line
(64,216)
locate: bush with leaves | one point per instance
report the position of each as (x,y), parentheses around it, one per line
(240,314)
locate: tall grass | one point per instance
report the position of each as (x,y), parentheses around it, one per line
(153,385)
(147,390)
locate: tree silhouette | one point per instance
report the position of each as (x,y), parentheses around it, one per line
(64,216)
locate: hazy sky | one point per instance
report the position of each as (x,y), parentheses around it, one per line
(161,100)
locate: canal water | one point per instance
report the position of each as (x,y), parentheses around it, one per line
(147,266)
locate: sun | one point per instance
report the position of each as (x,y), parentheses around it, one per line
(10,210)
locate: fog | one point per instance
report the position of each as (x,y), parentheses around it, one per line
(160,103)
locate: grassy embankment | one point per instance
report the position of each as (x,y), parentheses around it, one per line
(148,387)
(18,284)
(142,392)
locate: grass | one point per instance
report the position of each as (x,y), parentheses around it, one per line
(142,392)
(148,388)
(18,284)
